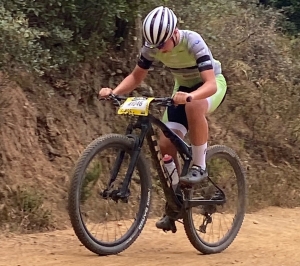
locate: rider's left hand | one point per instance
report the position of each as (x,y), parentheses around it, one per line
(180,97)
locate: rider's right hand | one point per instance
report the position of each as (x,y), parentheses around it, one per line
(105,92)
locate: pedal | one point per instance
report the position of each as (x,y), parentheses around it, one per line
(173,227)
(167,224)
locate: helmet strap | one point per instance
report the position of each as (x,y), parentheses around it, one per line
(174,43)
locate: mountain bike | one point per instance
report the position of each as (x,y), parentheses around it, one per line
(122,184)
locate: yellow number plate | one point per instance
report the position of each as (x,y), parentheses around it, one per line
(135,106)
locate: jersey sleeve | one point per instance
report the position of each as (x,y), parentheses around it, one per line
(146,57)
(201,52)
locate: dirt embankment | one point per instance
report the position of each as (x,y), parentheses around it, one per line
(43,130)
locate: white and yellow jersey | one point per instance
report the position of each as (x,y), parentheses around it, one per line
(185,61)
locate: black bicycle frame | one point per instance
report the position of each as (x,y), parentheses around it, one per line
(144,123)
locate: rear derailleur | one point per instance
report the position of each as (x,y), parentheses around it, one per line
(209,210)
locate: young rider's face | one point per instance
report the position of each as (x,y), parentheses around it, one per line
(169,44)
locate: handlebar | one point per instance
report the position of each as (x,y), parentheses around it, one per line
(163,101)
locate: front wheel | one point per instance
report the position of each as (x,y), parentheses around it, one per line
(202,223)
(95,209)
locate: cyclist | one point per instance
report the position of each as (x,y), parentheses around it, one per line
(196,74)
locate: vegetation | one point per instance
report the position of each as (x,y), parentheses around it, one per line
(91,178)
(291,9)
(56,33)
(22,210)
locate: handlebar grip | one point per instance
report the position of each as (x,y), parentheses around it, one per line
(189,99)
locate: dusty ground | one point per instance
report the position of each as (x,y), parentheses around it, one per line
(269,237)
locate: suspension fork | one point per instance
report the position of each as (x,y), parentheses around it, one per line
(116,168)
(143,125)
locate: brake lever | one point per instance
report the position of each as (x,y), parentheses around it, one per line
(166,102)
(109,97)
(170,102)
(114,100)
(101,98)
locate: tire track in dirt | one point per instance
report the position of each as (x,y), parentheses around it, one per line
(268,237)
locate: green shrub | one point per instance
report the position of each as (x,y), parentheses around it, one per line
(20,43)
(22,209)
(46,35)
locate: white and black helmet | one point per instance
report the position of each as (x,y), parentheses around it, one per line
(159,25)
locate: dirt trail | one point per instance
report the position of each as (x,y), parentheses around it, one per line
(269,237)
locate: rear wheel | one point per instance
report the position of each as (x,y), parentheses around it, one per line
(91,205)
(225,170)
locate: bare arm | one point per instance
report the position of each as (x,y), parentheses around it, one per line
(131,81)
(209,86)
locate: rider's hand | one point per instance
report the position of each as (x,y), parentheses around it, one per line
(180,97)
(105,92)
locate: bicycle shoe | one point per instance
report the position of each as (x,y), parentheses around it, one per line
(195,175)
(166,224)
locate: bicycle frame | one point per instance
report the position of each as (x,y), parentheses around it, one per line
(144,123)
